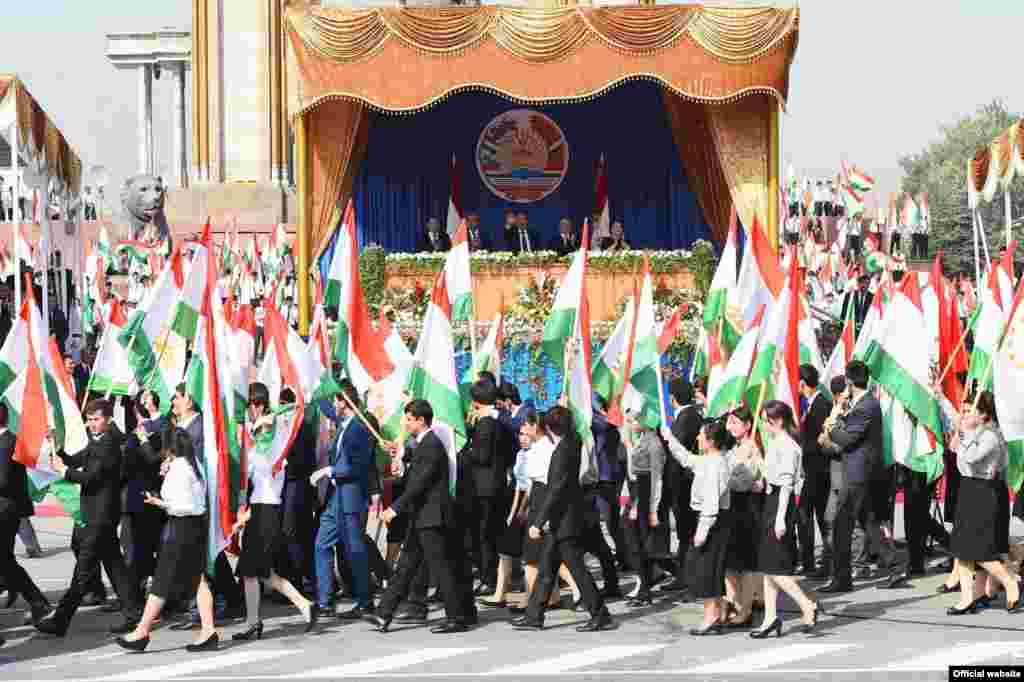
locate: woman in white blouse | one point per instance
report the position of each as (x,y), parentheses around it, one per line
(179,571)
(746,483)
(982,525)
(776,553)
(261,519)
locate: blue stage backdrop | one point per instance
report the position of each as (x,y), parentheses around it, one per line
(405,177)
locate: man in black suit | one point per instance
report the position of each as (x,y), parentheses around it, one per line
(478,241)
(566,242)
(560,523)
(97,469)
(814,496)
(488,461)
(860,299)
(295,559)
(677,481)
(426,501)
(519,236)
(140,522)
(15,505)
(434,239)
(857,435)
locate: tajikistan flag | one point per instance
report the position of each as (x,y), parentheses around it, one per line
(458,280)
(488,356)
(988,326)
(899,359)
(842,354)
(433,377)
(776,368)
(723,285)
(357,346)
(386,398)
(761,279)
(155,350)
(608,380)
(643,397)
(210,384)
(111,372)
(34,387)
(726,389)
(1008,381)
(566,339)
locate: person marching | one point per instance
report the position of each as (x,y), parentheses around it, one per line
(261,518)
(182,561)
(776,552)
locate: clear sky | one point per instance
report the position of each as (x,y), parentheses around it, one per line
(872,80)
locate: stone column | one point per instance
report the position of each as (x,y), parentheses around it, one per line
(145,115)
(150,147)
(179,160)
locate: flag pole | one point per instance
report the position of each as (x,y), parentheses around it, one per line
(363,419)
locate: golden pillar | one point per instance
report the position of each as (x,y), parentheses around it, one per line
(302,245)
(773,174)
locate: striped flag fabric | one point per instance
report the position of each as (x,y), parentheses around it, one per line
(432,377)
(761,280)
(726,390)
(645,365)
(607,378)
(1008,384)
(723,286)
(111,372)
(459,280)
(602,227)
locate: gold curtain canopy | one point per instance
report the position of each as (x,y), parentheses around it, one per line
(405,59)
(39,137)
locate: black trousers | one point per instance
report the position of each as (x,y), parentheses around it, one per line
(96,587)
(488,517)
(98,545)
(916,519)
(140,541)
(433,547)
(552,555)
(853,499)
(12,575)
(813,501)
(919,246)
(609,492)
(593,541)
(854,243)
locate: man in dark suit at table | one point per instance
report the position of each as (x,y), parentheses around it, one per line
(347,499)
(478,241)
(814,496)
(519,236)
(15,505)
(427,503)
(857,435)
(434,239)
(566,242)
(559,522)
(97,469)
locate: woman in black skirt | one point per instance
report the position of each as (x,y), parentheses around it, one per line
(982,526)
(776,552)
(710,498)
(261,519)
(746,483)
(179,571)
(647,534)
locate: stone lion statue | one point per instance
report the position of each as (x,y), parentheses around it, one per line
(142,198)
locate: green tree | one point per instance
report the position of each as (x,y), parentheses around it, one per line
(941,170)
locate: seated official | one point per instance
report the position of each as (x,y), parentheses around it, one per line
(521,239)
(478,241)
(434,239)
(617,240)
(566,242)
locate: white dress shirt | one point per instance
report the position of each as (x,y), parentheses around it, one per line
(183,493)
(266,486)
(539,459)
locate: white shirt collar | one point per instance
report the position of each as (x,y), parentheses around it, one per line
(423,434)
(187,421)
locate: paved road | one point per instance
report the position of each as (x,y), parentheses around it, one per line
(873,633)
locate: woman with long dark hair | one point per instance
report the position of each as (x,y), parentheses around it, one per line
(982,526)
(777,552)
(179,570)
(647,535)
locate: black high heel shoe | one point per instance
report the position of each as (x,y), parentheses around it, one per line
(312,618)
(136,645)
(208,644)
(253,631)
(970,608)
(808,628)
(764,633)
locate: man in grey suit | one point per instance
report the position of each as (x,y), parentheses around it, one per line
(857,435)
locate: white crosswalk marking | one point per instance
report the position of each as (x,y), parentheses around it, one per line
(383,664)
(579,659)
(766,658)
(957,654)
(196,664)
